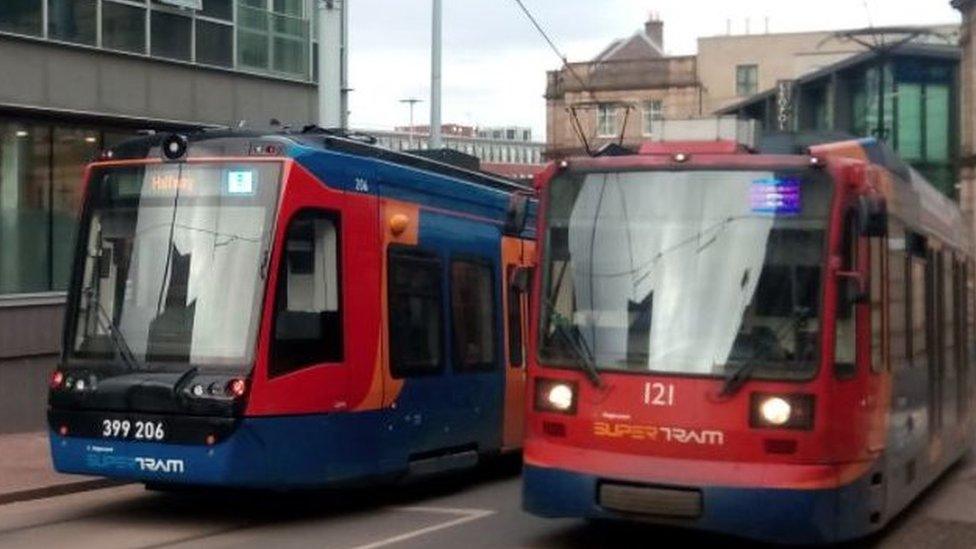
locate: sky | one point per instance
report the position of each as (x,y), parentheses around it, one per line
(495,63)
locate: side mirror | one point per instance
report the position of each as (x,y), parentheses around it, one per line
(872,216)
(518,213)
(853,287)
(521,279)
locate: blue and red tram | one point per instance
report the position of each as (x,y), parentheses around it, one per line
(288,311)
(772,346)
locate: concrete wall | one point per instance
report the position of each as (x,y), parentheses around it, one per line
(30,338)
(59,78)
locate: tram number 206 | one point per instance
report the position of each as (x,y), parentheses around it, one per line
(135,430)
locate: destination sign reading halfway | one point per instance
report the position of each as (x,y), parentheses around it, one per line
(775,196)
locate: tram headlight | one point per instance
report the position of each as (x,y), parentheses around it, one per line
(770,411)
(555,396)
(775,411)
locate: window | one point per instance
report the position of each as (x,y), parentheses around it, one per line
(20,16)
(845,344)
(170,36)
(606,121)
(218,9)
(253,42)
(416,320)
(25,264)
(878,317)
(746,80)
(918,320)
(308,320)
(653,110)
(123,27)
(215,44)
(473,315)
(72,21)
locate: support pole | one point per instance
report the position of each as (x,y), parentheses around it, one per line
(436,139)
(331,91)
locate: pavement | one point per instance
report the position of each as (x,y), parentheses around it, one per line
(26,471)
(476,510)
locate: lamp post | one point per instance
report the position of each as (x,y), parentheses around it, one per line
(436,139)
(412,101)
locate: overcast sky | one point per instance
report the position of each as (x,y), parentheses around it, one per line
(495,62)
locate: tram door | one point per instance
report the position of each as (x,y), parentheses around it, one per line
(517,255)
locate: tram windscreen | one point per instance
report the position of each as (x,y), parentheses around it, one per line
(685,272)
(170,263)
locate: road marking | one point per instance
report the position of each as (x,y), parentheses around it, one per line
(464,516)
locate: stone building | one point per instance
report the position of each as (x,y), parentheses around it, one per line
(967,79)
(619,93)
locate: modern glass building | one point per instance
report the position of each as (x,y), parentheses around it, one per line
(908,96)
(80,75)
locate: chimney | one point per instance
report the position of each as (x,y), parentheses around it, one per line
(654,28)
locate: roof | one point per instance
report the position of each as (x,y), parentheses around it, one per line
(637,46)
(951,53)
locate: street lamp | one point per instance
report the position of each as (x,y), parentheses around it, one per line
(412,101)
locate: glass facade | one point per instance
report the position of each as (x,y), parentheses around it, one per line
(911,103)
(266,36)
(918,111)
(41,171)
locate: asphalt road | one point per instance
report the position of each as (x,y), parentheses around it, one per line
(472,511)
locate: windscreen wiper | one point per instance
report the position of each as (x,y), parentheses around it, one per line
(737,378)
(118,339)
(576,343)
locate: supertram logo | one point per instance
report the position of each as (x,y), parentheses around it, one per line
(133,464)
(672,435)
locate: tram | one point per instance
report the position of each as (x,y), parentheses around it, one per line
(290,311)
(775,345)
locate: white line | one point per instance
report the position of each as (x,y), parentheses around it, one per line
(467,515)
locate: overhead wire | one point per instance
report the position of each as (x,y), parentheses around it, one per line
(552,45)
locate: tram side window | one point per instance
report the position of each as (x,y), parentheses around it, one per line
(948,320)
(473,315)
(878,269)
(308,322)
(415,313)
(917,303)
(845,343)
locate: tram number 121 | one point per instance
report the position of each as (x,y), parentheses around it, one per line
(658,394)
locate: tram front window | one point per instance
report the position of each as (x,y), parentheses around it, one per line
(171,264)
(685,272)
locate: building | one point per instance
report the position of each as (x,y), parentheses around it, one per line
(616,96)
(967,79)
(512,158)
(734,67)
(632,82)
(920,114)
(86,74)
(506,133)
(448,130)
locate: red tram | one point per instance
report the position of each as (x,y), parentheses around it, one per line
(773,346)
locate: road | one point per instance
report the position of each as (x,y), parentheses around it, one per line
(470,512)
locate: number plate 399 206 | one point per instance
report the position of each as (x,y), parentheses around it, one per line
(127,429)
